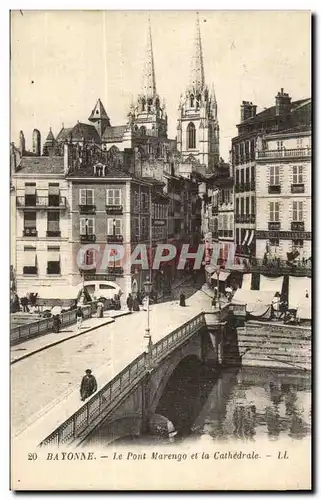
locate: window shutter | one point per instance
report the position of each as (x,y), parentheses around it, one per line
(82,226)
(109,226)
(91,226)
(117,197)
(90,196)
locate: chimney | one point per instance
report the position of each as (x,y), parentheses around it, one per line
(248,110)
(282,103)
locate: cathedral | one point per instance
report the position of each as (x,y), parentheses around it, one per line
(145,132)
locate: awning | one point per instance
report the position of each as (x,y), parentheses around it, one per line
(245,237)
(250,238)
(53,256)
(54,190)
(29,258)
(268,283)
(299,287)
(247,281)
(30,190)
(223,275)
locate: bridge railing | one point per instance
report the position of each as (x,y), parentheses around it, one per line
(106,398)
(36,328)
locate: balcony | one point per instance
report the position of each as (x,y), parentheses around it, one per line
(87,209)
(274,226)
(41,203)
(284,153)
(87,238)
(274,189)
(278,267)
(297,188)
(31,232)
(115,238)
(53,234)
(114,209)
(297,226)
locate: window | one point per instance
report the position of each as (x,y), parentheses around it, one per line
(274,175)
(274,242)
(297,244)
(114,226)
(231,223)
(144,202)
(30,194)
(237,206)
(30,224)
(225,222)
(279,145)
(104,286)
(86,196)
(191,136)
(143,104)
(237,180)
(136,202)
(89,258)
(53,195)
(113,196)
(192,101)
(247,205)
(274,211)
(144,228)
(242,177)
(135,228)
(53,260)
(87,226)
(247,175)
(242,206)
(227,196)
(53,219)
(297,174)
(297,211)
(29,261)
(253,205)
(299,143)
(252,173)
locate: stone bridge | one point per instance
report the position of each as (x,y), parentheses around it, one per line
(127,405)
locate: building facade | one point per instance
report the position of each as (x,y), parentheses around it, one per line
(283,116)
(283,196)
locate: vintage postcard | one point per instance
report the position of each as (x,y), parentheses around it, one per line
(161,250)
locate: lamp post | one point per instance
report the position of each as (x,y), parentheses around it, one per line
(114,234)
(218,286)
(147,336)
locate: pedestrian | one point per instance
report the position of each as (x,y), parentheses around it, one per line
(100,310)
(306,293)
(214,303)
(56,323)
(130,302)
(88,385)
(139,298)
(136,304)
(80,317)
(182,299)
(24,302)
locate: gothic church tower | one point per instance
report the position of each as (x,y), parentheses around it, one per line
(197,127)
(149,115)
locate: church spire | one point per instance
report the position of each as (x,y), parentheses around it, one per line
(197,67)
(149,82)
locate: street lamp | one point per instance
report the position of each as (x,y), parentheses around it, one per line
(114,234)
(218,269)
(148,285)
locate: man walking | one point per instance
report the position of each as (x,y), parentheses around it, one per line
(88,385)
(130,302)
(79,317)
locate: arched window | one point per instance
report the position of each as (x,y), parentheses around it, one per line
(143,104)
(191,136)
(149,105)
(192,101)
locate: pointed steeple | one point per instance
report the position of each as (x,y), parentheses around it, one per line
(149,82)
(197,67)
(98,113)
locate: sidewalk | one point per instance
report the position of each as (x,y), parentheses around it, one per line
(26,349)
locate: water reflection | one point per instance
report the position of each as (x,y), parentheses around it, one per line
(242,405)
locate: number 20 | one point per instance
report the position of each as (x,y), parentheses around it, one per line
(32,456)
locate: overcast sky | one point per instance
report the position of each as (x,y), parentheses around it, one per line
(62,61)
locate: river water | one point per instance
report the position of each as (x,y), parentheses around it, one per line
(243,404)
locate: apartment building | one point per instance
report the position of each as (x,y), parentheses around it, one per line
(41,220)
(283,195)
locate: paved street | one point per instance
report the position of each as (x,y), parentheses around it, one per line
(44,379)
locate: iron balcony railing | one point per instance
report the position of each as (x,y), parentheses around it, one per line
(274,226)
(21,333)
(274,189)
(109,396)
(114,209)
(87,238)
(281,267)
(297,226)
(284,153)
(297,188)
(53,234)
(87,209)
(115,238)
(41,203)
(30,231)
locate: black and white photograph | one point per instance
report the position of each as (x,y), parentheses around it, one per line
(160,250)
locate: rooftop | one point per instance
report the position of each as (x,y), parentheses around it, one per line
(114,133)
(41,165)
